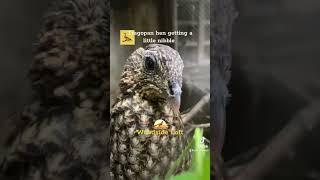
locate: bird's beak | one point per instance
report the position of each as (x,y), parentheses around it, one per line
(175,96)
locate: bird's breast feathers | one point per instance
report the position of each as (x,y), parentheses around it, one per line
(137,145)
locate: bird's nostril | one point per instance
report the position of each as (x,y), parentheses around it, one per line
(171,90)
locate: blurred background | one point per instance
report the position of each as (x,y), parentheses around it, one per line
(19,24)
(275,73)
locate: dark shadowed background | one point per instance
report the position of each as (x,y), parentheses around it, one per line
(275,73)
(20,22)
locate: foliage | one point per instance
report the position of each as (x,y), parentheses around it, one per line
(200,165)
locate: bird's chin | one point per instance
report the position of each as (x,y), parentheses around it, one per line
(154,95)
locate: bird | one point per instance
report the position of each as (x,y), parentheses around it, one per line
(150,91)
(126,38)
(61,135)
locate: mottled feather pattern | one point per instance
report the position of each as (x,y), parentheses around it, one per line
(142,101)
(150,153)
(62,134)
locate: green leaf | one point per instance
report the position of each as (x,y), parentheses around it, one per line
(200,165)
(175,165)
(185,176)
(198,155)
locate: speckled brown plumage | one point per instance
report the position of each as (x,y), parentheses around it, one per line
(61,135)
(149,91)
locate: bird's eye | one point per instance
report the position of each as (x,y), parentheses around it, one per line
(150,63)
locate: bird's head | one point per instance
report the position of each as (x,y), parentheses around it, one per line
(154,72)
